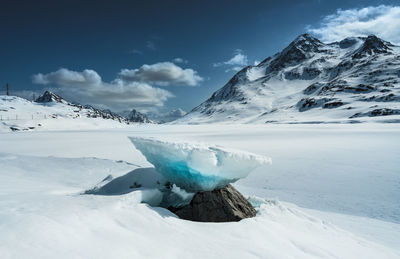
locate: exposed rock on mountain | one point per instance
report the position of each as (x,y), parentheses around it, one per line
(51,112)
(168,116)
(89,111)
(48,97)
(311,81)
(135,116)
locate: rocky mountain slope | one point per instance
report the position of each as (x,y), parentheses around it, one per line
(51,112)
(354,80)
(135,116)
(167,116)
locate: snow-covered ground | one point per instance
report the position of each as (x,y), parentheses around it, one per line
(19,114)
(332,191)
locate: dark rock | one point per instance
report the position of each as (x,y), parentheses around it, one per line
(298,50)
(306,104)
(222,205)
(312,88)
(135,116)
(14,128)
(372,45)
(348,42)
(377,112)
(91,112)
(333,104)
(49,97)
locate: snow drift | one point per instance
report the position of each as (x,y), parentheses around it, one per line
(198,167)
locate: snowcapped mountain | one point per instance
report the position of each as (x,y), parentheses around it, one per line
(135,116)
(354,80)
(49,97)
(168,116)
(51,111)
(90,112)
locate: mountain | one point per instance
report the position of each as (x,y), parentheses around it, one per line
(135,116)
(51,112)
(353,80)
(49,97)
(168,116)
(88,111)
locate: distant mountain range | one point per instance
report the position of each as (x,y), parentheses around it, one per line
(168,116)
(51,112)
(353,80)
(88,111)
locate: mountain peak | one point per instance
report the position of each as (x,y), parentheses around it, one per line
(374,42)
(306,36)
(372,45)
(298,50)
(135,116)
(348,42)
(327,79)
(48,97)
(306,42)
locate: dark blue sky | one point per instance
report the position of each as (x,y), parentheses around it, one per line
(43,36)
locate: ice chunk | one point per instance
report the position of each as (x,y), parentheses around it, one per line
(196,167)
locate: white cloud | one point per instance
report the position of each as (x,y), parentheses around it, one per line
(163,73)
(236,69)
(151,45)
(66,77)
(237,62)
(383,21)
(180,60)
(87,87)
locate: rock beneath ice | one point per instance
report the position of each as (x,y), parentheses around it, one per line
(198,167)
(220,205)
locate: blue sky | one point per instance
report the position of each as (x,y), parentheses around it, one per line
(162,55)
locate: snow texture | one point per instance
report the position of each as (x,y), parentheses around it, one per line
(346,175)
(354,80)
(51,112)
(198,167)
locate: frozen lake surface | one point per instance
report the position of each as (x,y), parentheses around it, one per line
(331,191)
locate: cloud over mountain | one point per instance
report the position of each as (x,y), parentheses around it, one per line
(237,62)
(88,87)
(382,20)
(162,73)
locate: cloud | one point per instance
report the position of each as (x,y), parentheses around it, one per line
(180,60)
(136,52)
(237,62)
(65,77)
(87,87)
(163,73)
(151,45)
(382,20)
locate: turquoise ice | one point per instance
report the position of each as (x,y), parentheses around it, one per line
(198,167)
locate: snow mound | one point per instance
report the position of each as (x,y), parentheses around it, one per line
(198,167)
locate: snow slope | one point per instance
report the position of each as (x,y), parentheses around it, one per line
(354,80)
(345,175)
(18,114)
